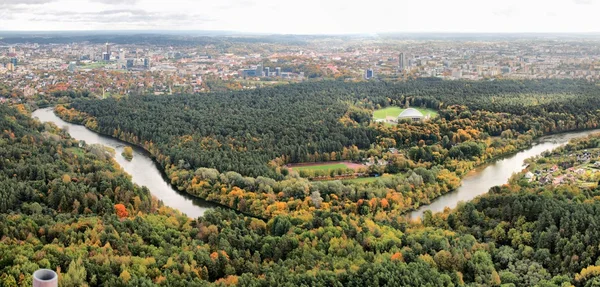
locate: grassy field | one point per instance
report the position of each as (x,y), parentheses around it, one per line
(395,112)
(321,167)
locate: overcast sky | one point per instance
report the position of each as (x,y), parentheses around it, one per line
(304,16)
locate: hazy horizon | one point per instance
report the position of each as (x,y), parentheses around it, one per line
(311,17)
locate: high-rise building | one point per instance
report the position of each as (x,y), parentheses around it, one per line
(129,63)
(401,62)
(146,63)
(267,71)
(10,67)
(369,74)
(106,54)
(278,71)
(259,70)
(14,61)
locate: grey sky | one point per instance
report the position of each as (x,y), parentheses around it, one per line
(306,16)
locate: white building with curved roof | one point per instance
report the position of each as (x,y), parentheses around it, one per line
(411,114)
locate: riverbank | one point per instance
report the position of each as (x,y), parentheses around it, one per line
(142,168)
(232,201)
(497,173)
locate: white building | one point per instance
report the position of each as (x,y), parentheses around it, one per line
(411,114)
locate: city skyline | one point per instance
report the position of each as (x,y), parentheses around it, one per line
(308,17)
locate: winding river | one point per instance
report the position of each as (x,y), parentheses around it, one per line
(481,179)
(144,170)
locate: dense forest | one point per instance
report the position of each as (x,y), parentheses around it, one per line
(540,231)
(232,147)
(71,209)
(243,131)
(68,206)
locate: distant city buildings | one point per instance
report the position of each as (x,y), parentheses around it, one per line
(160,69)
(369,74)
(401,62)
(259,70)
(106,54)
(249,73)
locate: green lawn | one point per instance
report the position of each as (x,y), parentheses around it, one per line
(321,167)
(395,112)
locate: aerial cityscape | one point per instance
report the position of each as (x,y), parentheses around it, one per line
(314,143)
(32,66)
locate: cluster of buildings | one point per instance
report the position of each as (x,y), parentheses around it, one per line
(566,172)
(123,58)
(265,72)
(478,60)
(160,68)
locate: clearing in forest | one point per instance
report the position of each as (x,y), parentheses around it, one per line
(394,112)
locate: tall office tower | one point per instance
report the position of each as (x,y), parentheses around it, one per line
(369,74)
(401,62)
(14,61)
(267,71)
(106,54)
(146,63)
(278,71)
(259,70)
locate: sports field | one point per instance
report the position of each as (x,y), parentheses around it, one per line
(395,112)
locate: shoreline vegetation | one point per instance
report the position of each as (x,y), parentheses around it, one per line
(162,171)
